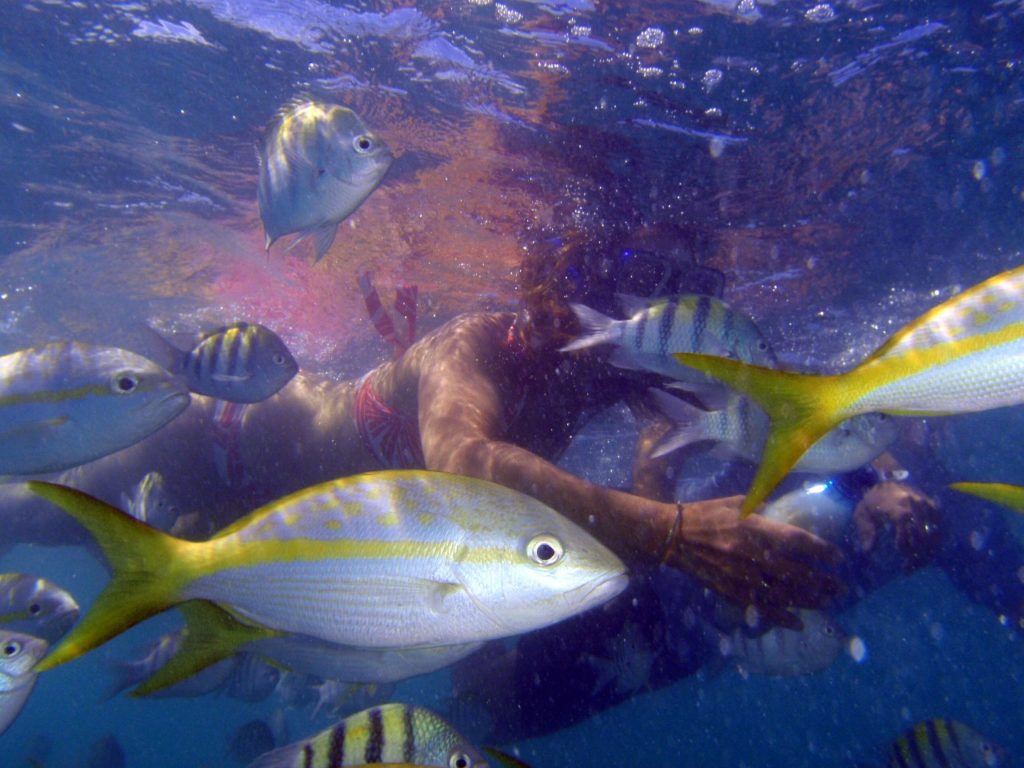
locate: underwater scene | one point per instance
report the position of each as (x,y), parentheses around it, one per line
(470,383)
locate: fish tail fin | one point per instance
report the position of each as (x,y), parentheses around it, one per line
(597,328)
(162,350)
(689,423)
(211,635)
(801,408)
(1010,496)
(139,556)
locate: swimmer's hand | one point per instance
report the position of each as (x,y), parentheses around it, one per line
(913,518)
(757,562)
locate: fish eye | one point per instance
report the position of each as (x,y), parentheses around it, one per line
(12,649)
(362,143)
(125,382)
(35,608)
(545,549)
(762,346)
(459,760)
(278,359)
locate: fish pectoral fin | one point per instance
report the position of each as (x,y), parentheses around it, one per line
(323,238)
(212,634)
(440,593)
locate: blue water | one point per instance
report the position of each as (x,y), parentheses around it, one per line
(846,166)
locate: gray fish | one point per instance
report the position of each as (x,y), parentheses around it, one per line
(35,606)
(318,163)
(781,652)
(18,656)
(241,363)
(151,503)
(156,656)
(741,428)
(67,403)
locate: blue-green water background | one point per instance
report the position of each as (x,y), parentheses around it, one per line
(878,146)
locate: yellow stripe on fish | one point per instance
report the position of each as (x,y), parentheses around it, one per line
(962,356)
(1011,496)
(382,560)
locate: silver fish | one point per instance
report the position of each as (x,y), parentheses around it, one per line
(35,606)
(18,656)
(741,428)
(781,652)
(318,163)
(240,363)
(151,503)
(155,657)
(67,403)
(687,323)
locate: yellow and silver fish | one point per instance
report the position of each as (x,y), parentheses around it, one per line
(67,403)
(19,654)
(318,163)
(1010,496)
(381,560)
(390,733)
(941,743)
(35,606)
(964,355)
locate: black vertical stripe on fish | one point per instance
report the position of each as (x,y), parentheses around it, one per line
(700,322)
(897,753)
(336,750)
(665,326)
(641,326)
(728,330)
(375,746)
(409,747)
(935,740)
(913,743)
(195,362)
(307,756)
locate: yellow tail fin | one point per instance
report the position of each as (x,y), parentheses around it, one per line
(802,409)
(212,634)
(1011,496)
(142,559)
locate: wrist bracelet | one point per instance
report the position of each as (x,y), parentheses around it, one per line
(672,533)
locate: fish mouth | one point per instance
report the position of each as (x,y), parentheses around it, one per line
(599,591)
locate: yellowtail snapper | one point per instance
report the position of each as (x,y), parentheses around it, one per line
(942,743)
(67,403)
(35,606)
(390,733)
(318,163)
(964,355)
(741,428)
(381,560)
(19,654)
(240,363)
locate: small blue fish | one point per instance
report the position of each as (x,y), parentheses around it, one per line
(319,162)
(67,403)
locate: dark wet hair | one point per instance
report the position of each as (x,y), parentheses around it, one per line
(597,266)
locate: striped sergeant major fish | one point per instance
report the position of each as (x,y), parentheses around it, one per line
(390,733)
(688,323)
(1010,496)
(964,355)
(380,560)
(941,743)
(318,163)
(35,606)
(740,429)
(240,363)
(67,403)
